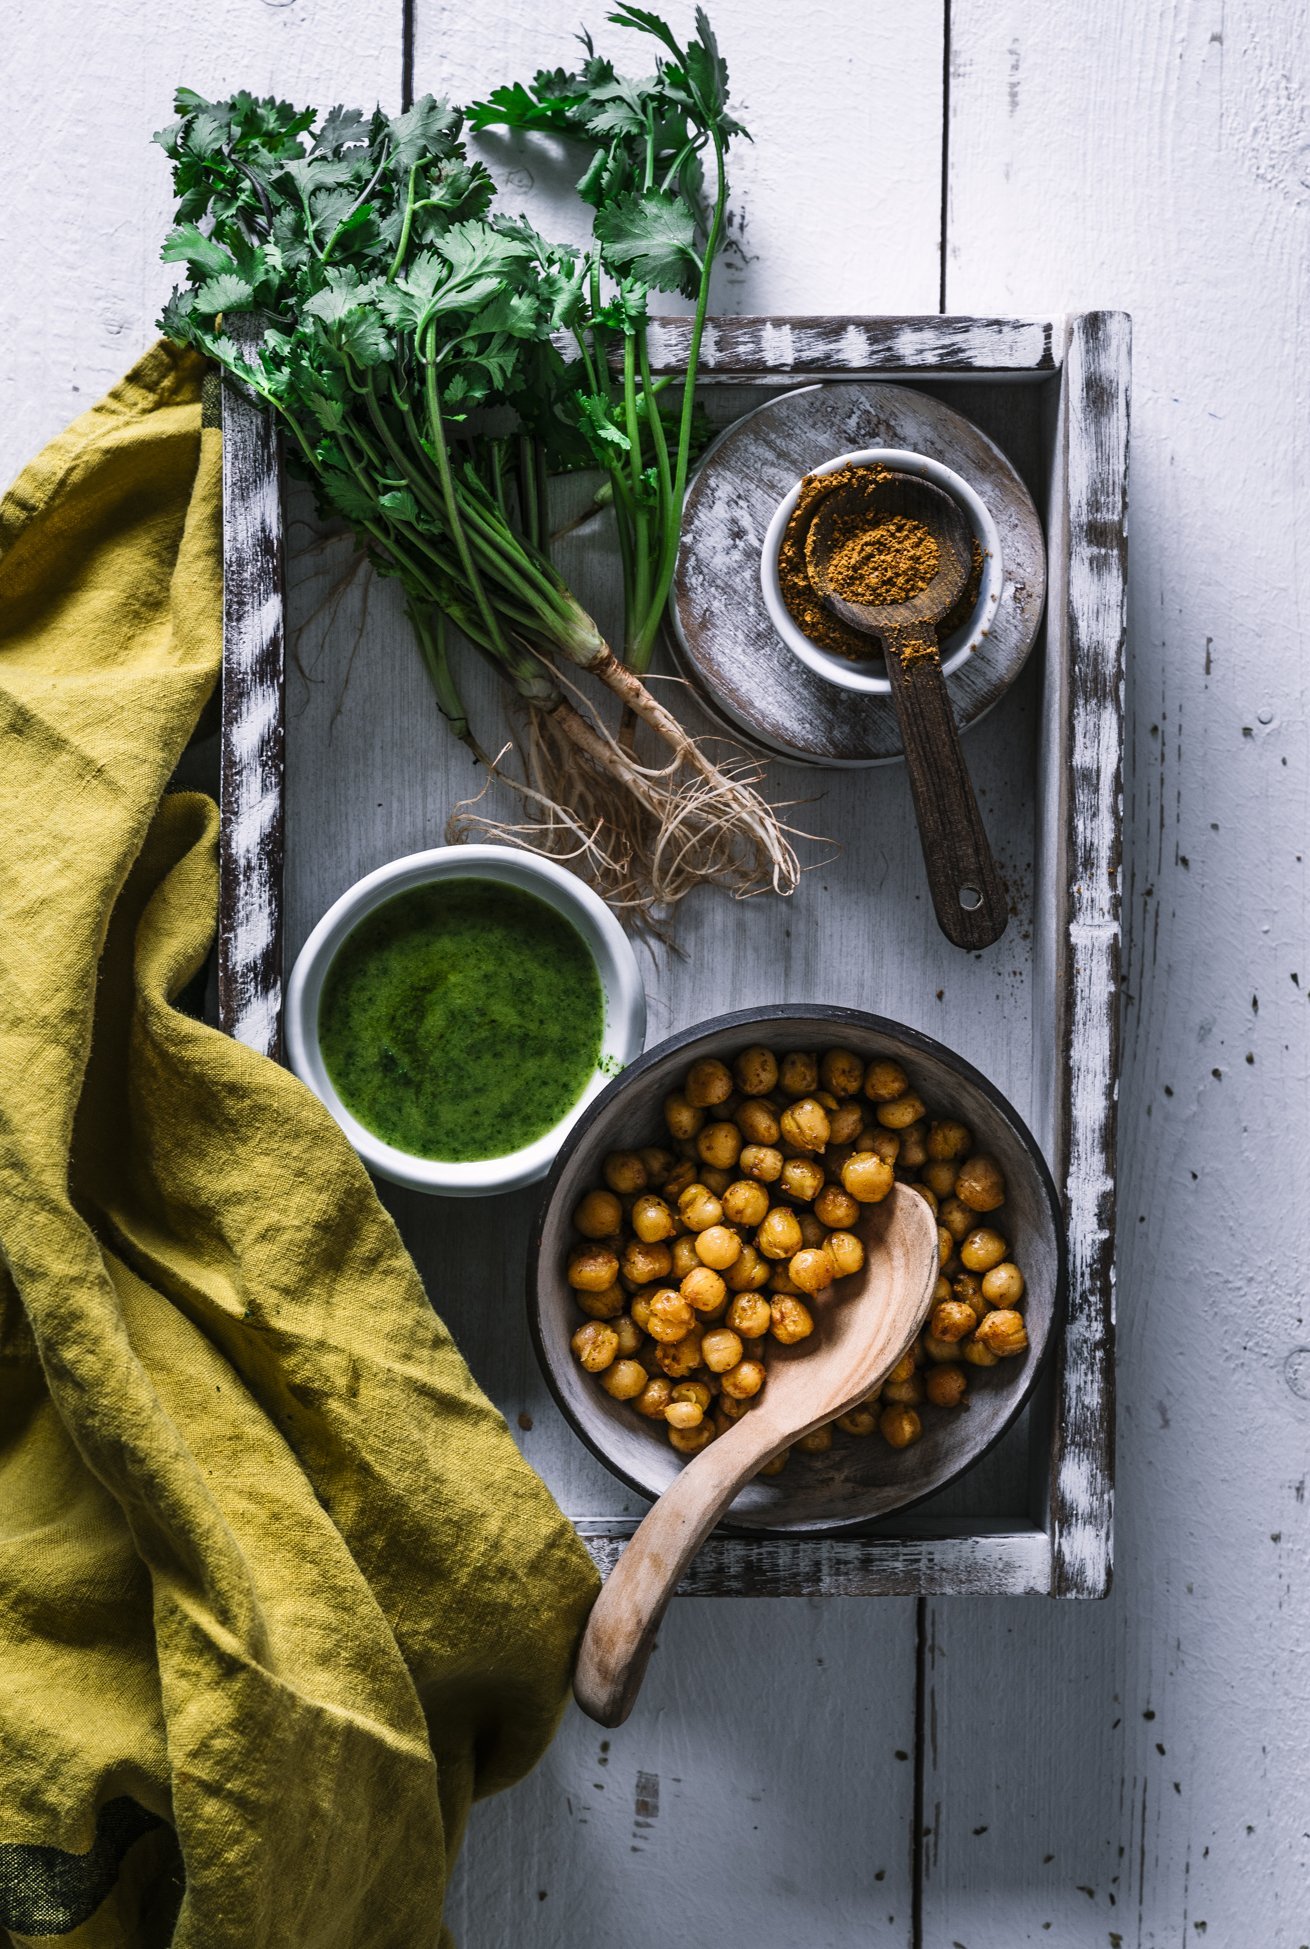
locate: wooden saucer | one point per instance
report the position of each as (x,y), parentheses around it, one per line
(726,643)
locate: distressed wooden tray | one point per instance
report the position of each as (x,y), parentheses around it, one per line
(1038,1013)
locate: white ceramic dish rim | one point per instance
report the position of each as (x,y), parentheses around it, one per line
(624,996)
(778,1015)
(838,669)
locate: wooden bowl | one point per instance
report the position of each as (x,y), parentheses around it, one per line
(859,1479)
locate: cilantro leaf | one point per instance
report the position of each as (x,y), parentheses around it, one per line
(205,256)
(225,293)
(653,238)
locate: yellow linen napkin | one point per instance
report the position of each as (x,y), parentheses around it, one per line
(278,1596)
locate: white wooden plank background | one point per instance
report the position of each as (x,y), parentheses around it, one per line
(1130,1771)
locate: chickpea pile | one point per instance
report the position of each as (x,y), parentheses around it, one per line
(694,1254)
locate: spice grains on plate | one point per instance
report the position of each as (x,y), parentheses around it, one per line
(883,561)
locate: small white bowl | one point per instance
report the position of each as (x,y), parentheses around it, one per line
(957,647)
(623,1038)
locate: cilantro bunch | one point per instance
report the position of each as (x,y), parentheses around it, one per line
(427,357)
(353,278)
(656,176)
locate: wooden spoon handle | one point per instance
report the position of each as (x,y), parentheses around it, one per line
(956,853)
(616,1646)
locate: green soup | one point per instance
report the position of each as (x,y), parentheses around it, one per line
(461,1020)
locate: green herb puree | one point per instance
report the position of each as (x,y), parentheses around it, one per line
(461,1020)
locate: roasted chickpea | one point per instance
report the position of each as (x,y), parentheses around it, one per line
(902,1110)
(940,1179)
(1003,1285)
(721,1349)
(982,1248)
(719,1145)
(625,1380)
(867,1178)
(859,1420)
(925,1192)
(750,1314)
(679,1358)
(885,1144)
(777,1465)
(957,1218)
(684,1414)
(685,1256)
(790,1319)
(952,1320)
(704,1290)
(718,1247)
(817,1442)
(696,1391)
(658,1162)
(761,1162)
(798,1073)
(812,1269)
(980,1184)
(779,1234)
(967,1286)
(842,1072)
(678,1179)
(630,1336)
(745,1202)
(682,1119)
(846,1252)
(845,1122)
(942,1289)
(946,1386)
(835,1208)
(708,1082)
(802,1178)
(690,1441)
(1002,1333)
(940,1349)
(756,1070)
(813,1232)
(747,1273)
(595,1345)
(913,1153)
(639,1308)
(698,1208)
(977,1354)
(949,1139)
(716,1181)
(781,1281)
(805,1124)
(624,1171)
(592,1268)
(598,1215)
(745,1380)
(643,1264)
(654,1397)
(670,1315)
(651,1218)
(731,1408)
(903,1369)
(884,1081)
(899,1427)
(757,1120)
(606,1305)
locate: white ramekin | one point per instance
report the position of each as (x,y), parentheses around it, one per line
(840,670)
(625,1006)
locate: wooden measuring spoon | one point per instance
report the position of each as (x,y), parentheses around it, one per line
(861,1331)
(967,895)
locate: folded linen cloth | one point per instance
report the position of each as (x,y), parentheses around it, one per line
(278,1596)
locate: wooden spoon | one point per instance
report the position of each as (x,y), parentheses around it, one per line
(967,894)
(861,1332)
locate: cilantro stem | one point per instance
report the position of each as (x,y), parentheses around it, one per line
(436,427)
(640,519)
(358,204)
(432,644)
(403,245)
